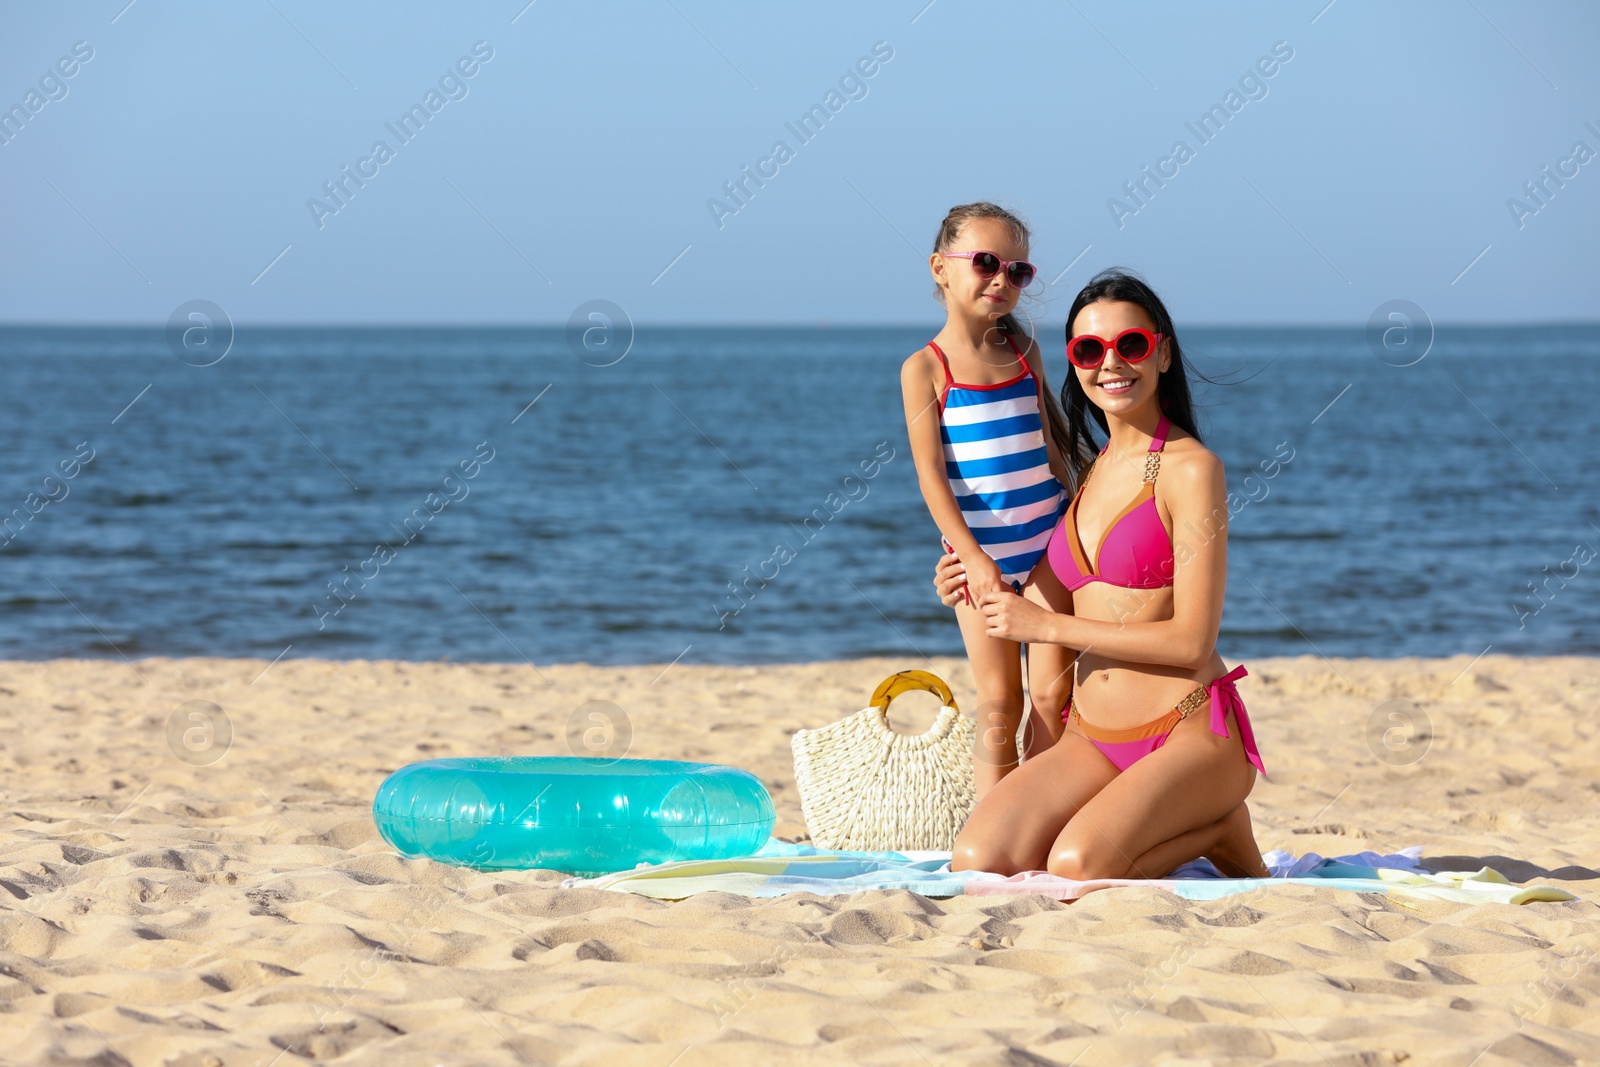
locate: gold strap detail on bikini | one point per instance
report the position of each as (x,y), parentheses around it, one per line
(1193,702)
(1152,466)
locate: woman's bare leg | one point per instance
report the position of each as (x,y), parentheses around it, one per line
(1236,853)
(1050,667)
(1172,806)
(1228,843)
(1012,828)
(997,672)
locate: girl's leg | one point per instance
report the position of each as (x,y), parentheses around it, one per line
(1180,802)
(1050,667)
(997,672)
(1012,828)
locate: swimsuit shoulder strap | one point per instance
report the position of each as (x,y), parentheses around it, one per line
(1152,458)
(949,379)
(1020,358)
(1160,439)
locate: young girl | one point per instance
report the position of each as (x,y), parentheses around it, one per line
(1157,756)
(980,422)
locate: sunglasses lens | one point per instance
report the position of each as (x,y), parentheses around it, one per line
(1086,351)
(1133,346)
(1020,274)
(987,264)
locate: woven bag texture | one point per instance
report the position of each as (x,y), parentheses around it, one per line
(863,786)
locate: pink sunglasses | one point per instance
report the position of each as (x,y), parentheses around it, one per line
(1019,272)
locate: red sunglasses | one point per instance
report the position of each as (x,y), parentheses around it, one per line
(1133,345)
(1019,272)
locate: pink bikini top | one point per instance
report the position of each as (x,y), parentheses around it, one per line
(1136,550)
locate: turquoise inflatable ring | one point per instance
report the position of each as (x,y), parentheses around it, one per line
(572,813)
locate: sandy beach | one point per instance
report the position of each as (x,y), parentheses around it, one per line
(245,911)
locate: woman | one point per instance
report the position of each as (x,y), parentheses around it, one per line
(1157,756)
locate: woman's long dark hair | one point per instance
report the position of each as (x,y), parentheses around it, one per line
(949,230)
(1172,389)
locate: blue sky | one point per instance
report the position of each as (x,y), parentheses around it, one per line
(580,159)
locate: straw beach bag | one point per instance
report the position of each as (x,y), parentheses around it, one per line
(863,786)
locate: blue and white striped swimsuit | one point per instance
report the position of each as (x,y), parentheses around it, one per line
(999,469)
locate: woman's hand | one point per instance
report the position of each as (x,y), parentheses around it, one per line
(984,577)
(948,578)
(1015,618)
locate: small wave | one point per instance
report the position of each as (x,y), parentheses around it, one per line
(1306,535)
(1276,633)
(628,626)
(105,647)
(138,500)
(332,636)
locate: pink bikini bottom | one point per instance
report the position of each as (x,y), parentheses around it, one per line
(1127,747)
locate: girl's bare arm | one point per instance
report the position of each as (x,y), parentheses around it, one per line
(927,452)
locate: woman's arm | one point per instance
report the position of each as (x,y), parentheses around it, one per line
(927,452)
(1196,491)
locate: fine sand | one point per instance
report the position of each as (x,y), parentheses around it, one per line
(245,911)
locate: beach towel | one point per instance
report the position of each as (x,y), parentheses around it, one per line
(781,867)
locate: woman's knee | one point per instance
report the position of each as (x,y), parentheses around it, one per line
(975,856)
(975,850)
(968,856)
(1071,864)
(1078,861)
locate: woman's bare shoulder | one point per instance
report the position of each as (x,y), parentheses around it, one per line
(1188,464)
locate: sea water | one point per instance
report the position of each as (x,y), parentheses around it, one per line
(738,495)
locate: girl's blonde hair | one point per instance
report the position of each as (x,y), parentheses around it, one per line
(949,230)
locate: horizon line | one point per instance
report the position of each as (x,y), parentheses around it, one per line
(815,324)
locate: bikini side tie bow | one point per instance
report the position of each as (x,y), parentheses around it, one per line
(1225,698)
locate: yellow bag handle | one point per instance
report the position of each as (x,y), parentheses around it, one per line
(910,682)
